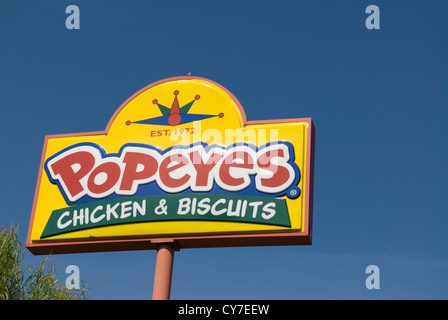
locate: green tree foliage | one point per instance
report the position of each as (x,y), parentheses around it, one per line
(19,283)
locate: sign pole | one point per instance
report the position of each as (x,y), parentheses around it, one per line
(164,270)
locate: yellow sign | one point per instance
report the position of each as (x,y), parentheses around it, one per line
(179,162)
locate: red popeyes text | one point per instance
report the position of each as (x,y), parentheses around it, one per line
(85,169)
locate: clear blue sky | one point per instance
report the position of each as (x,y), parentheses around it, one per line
(378,99)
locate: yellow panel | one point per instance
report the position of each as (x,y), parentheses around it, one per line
(192,113)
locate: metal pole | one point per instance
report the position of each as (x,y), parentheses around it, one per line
(164,270)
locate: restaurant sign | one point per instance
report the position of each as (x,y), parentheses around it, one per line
(178,162)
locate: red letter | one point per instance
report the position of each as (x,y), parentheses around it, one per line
(224,171)
(280,174)
(68,176)
(112,172)
(164,172)
(131,175)
(203,169)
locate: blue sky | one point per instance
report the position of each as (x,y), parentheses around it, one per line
(378,99)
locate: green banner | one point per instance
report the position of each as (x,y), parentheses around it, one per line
(173,207)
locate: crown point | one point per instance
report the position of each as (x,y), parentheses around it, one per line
(176,92)
(155,101)
(197,97)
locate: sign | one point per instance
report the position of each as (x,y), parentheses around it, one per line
(179,162)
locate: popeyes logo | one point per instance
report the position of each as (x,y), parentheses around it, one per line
(85,171)
(178,161)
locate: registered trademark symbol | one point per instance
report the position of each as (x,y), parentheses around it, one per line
(294,193)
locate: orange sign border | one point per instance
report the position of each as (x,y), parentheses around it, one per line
(194,241)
